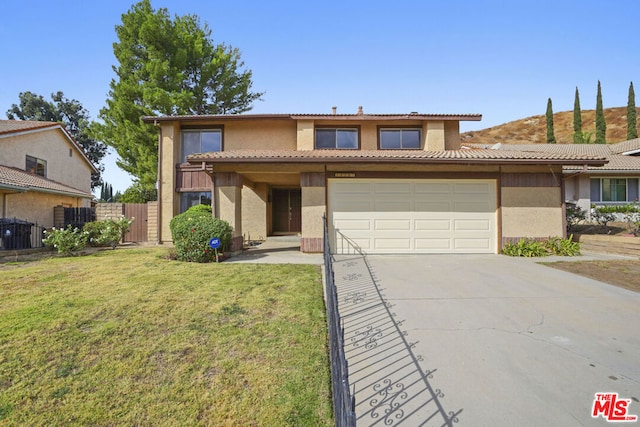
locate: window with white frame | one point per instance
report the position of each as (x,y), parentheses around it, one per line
(337,138)
(36,166)
(614,190)
(190,199)
(200,141)
(400,138)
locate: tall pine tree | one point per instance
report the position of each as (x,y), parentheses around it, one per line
(632,129)
(551,137)
(601,124)
(577,120)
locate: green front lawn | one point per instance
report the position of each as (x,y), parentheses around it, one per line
(128,337)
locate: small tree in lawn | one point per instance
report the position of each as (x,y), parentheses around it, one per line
(551,137)
(632,130)
(577,120)
(601,124)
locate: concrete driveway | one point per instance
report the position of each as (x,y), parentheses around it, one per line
(498,341)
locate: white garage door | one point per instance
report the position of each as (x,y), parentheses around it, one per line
(413,216)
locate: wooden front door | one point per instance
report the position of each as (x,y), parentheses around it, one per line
(287,210)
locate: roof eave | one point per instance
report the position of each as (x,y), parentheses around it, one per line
(596,163)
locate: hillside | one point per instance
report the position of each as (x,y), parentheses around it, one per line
(533,130)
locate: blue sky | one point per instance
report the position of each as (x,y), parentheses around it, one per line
(501,59)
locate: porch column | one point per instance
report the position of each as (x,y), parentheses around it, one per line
(228,205)
(314,203)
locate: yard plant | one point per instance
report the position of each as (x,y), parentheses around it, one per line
(538,248)
(192,230)
(129,337)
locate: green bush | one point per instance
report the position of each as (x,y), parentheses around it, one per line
(67,241)
(108,232)
(525,248)
(534,248)
(563,247)
(192,230)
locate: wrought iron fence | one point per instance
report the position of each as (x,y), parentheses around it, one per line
(78,217)
(343,399)
(18,234)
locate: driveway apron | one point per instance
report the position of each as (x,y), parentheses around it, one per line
(484,340)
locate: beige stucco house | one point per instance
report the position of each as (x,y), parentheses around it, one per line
(388,183)
(41,166)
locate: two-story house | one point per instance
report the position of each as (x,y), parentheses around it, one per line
(41,166)
(388,183)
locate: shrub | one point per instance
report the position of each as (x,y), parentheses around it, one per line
(551,246)
(108,232)
(67,241)
(574,215)
(525,248)
(192,230)
(563,247)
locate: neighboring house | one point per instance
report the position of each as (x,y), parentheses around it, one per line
(388,183)
(613,184)
(41,166)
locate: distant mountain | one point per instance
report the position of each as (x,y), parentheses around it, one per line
(533,130)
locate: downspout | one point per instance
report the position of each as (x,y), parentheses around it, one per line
(159,202)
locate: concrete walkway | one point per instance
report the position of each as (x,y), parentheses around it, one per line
(484,340)
(277,250)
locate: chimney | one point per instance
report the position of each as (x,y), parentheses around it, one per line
(334,110)
(360,110)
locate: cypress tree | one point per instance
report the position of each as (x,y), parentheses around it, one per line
(577,119)
(551,138)
(632,130)
(601,124)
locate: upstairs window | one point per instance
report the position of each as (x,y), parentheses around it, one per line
(200,141)
(36,166)
(337,138)
(400,139)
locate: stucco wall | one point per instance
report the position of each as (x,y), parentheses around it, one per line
(531,212)
(169,199)
(37,207)
(260,135)
(254,212)
(313,208)
(64,163)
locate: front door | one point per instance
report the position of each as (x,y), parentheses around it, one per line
(287,210)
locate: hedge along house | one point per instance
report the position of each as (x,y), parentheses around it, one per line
(388,183)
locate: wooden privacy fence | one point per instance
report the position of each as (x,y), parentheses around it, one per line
(144,226)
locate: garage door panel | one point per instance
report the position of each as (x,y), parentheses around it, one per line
(477,225)
(433,206)
(392,188)
(472,244)
(433,245)
(432,188)
(392,244)
(432,225)
(415,216)
(392,206)
(471,188)
(353,224)
(471,206)
(392,224)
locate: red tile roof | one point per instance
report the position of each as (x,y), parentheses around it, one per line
(14,126)
(356,117)
(19,180)
(479,156)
